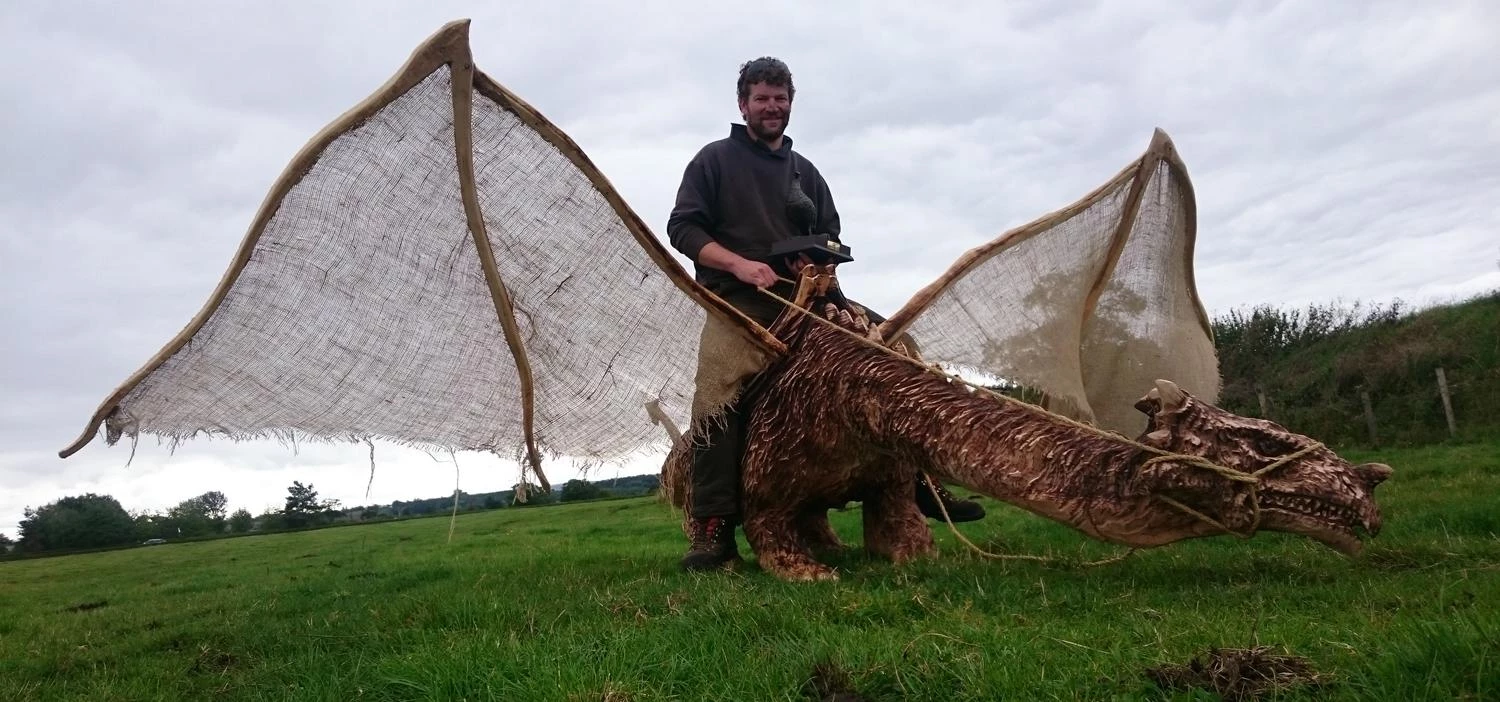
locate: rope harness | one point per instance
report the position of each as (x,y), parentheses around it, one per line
(1162,456)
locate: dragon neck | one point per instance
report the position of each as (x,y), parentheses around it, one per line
(1010,451)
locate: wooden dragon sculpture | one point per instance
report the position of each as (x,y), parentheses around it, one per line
(443,267)
(843,418)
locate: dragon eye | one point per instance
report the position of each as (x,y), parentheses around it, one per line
(1268,447)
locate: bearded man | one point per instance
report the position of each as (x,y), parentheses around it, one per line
(740,195)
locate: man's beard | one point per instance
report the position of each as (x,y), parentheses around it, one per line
(758,127)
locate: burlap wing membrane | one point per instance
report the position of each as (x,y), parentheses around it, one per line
(441,267)
(1089,304)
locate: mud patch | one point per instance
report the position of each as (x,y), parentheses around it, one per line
(829,682)
(610,694)
(86,606)
(213,661)
(1238,673)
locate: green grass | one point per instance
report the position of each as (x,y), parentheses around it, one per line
(584,602)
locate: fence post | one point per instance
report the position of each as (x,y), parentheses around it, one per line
(1447,403)
(1364,397)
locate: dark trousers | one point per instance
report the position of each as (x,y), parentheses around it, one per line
(716,465)
(718,454)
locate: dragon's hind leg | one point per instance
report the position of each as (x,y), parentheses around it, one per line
(774,536)
(817,534)
(894,527)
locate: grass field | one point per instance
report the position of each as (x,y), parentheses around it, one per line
(584,602)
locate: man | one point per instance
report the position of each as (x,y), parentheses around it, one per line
(738,196)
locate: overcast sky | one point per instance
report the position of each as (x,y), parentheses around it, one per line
(1339,150)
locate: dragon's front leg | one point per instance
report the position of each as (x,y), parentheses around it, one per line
(775,538)
(780,522)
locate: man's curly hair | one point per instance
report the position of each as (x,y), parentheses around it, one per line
(768,70)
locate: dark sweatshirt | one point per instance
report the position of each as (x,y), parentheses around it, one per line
(739,193)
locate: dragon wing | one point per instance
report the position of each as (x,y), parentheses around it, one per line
(1089,304)
(441,267)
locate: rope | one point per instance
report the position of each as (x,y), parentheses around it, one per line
(1162,456)
(1010,556)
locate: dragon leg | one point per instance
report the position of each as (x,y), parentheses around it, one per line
(775,538)
(815,532)
(894,528)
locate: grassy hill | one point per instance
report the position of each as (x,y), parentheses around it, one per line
(583,601)
(1312,366)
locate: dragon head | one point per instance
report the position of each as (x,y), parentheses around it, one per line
(1277,479)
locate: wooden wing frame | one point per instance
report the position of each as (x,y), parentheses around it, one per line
(446,50)
(1084,366)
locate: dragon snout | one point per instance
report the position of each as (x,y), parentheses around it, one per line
(1373,473)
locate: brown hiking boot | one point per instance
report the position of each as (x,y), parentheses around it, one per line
(713,546)
(958,510)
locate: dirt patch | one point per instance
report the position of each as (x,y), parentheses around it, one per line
(1237,673)
(610,694)
(214,661)
(86,606)
(829,682)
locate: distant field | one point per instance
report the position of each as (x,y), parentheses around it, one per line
(584,602)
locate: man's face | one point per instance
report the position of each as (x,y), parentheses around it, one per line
(766,111)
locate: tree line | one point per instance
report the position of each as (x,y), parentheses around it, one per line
(93,521)
(1333,371)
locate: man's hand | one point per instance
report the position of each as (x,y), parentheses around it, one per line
(714,255)
(753,273)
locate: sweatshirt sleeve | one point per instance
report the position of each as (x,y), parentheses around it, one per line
(692,216)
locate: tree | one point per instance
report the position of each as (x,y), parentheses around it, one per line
(149,525)
(214,505)
(271,520)
(85,521)
(241,521)
(576,489)
(5,543)
(199,515)
(303,508)
(302,499)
